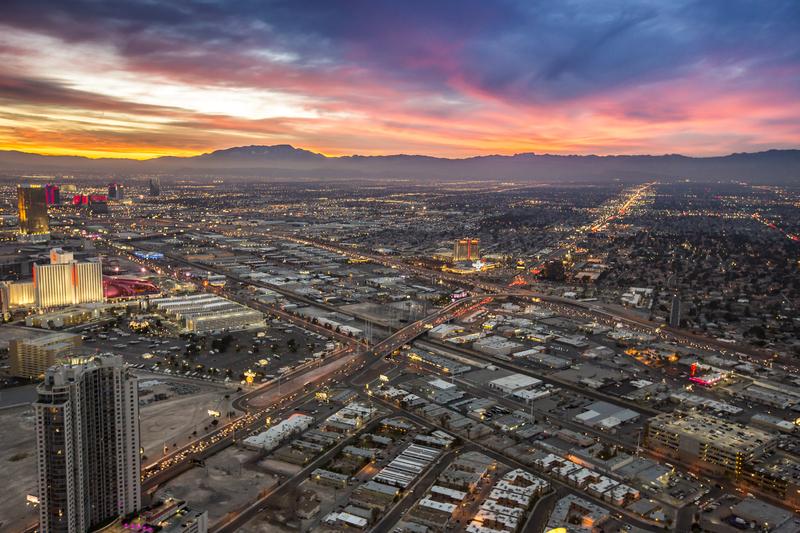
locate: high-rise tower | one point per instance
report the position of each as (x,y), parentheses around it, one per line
(66,281)
(116,191)
(155,187)
(34,224)
(52,194)
(466,250)
(87,445)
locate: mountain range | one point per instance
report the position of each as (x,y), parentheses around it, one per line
(285,161)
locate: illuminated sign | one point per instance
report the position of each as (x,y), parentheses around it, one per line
(144,528)
(707,380)
(321,396)
(459,295)
(148,255)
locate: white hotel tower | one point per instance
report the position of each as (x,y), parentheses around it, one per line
(87,445)
(66,281)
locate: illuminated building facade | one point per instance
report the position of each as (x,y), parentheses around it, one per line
(207,312)
(466,250)
(30,358)
(164,516)
(712,444)
(59,257)
(116,191)
(67,282)
(17,295)
(87,445)
(52,194)
(34,224)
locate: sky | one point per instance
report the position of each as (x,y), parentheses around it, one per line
(446,78)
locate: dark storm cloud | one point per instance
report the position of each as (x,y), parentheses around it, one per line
(519,50)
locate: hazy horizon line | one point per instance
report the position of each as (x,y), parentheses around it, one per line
(395,154)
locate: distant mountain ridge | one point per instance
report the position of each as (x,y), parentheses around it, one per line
(286,161)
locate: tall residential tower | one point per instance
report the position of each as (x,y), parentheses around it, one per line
(87,445)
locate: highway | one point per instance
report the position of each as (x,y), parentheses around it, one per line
(291,384)
(266,398)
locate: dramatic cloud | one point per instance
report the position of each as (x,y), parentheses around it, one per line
(142,79)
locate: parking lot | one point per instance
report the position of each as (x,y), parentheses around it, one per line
(253,354)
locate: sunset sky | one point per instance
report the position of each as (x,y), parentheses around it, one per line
(445,78)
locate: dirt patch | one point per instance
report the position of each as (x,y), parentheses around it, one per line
(229,480)
(18,463)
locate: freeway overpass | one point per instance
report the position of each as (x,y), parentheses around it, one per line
(412,331)
(290,383)
(180,460)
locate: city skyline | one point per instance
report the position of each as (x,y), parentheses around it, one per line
(400,267)
(614,355)
(449,80)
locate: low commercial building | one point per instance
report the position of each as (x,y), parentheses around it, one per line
(326,477)
(773,423)
(443,331)
(207,312)
(605,415)
(167,516)
(70,316)
(270,439)
(580,514)
(514,382)
(346,519)
(770,395)
(349,418)
(30,358)
(495,346)
(766,516)
(407,466)
(381,489)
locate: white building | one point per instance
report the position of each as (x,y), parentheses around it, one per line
(495,345)
(514,382)
(207,312)
(87,445)
(66,281)
(270,439)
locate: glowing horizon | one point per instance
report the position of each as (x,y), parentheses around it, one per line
(448,79)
